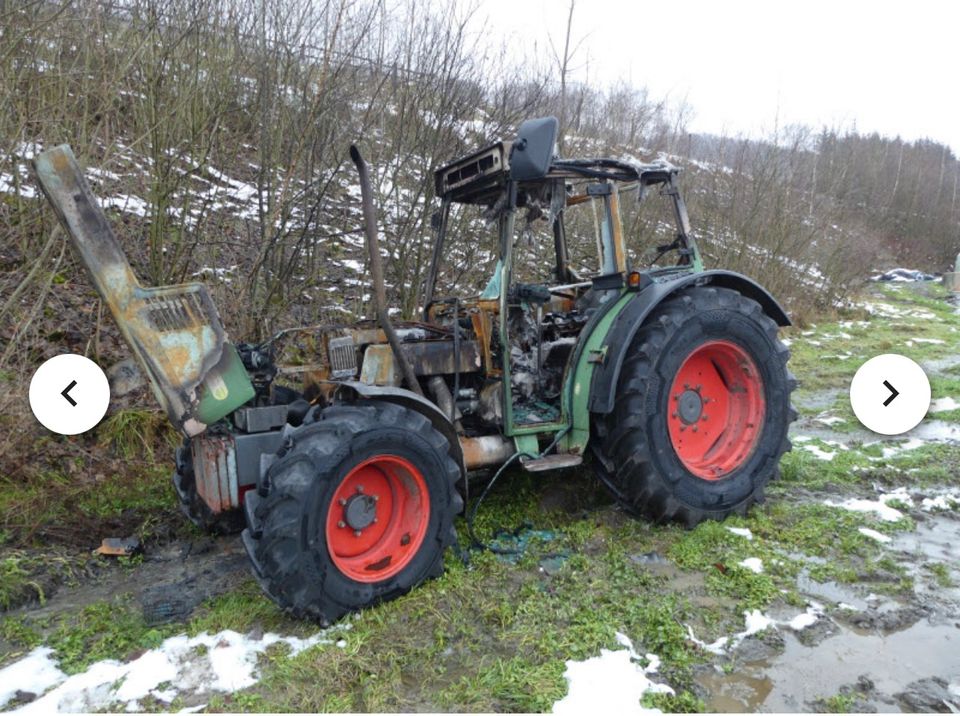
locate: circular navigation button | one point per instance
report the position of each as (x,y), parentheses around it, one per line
(890,394)
(69,394)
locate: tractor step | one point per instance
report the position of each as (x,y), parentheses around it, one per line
(550,462)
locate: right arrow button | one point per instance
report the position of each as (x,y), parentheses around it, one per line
(907,402)
(893,393)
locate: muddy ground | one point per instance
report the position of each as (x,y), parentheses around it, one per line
(840,593)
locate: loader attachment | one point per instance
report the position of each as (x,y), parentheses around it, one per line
(174,331)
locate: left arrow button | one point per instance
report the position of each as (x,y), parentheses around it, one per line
(78,381)
(66,393)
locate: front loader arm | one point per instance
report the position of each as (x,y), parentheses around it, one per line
(174,331)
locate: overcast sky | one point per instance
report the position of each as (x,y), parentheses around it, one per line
(889,67)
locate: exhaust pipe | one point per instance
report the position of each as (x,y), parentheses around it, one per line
(376,272)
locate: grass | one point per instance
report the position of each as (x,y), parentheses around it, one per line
(839,703)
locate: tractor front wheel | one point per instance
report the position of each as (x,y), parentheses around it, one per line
(702,410)
(357,509)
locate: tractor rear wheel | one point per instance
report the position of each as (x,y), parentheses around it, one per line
(357,509)
(702,410)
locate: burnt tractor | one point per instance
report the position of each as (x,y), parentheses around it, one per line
(670,380)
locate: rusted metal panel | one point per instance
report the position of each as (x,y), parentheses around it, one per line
(427,358)
(486,450)
(215,471)
(379,368)
(174,331)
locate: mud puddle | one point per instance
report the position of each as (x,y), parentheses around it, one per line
(170,582)
(796,678)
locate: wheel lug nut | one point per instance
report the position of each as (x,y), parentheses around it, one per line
(375,520)
(376,498)
(342,502)
(694,428)
(360,488)
(704,418)
(686,386)
(356,533)
(341,524)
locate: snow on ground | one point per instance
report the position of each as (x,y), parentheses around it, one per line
(756,621)
(820,454)
(754,564)
(8,186)
(34,673)
(944,501)
(878,506)
(825,418)
(742,531)
(610,683)
(885,310)
(129,204)
(941,405)
(225,662)
(873,534)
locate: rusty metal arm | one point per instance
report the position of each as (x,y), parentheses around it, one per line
(174,331)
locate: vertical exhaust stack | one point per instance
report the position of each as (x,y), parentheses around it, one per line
(376,272)
(174,331)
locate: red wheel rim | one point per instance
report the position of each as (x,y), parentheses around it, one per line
(715,412)
(378,518)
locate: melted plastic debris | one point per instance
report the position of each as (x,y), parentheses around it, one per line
(610,683)
(225,662)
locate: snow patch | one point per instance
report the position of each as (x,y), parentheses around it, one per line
(742,531)
(819,453)
(941,405)
(878,506)
(34,673)
(873,534)
(754,564)
(610,683)
(946,501)
(129,204)
(225,661)
(8,186)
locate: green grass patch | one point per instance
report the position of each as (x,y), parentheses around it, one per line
(134,433)
(102,630)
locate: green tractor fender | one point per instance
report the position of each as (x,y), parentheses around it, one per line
(615,344)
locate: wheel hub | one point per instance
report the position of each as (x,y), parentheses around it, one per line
(377,518)
(716,416)
(690,406)
(360,511)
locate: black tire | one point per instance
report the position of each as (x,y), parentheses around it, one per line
(192,506)
(287,517)
(634,454)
